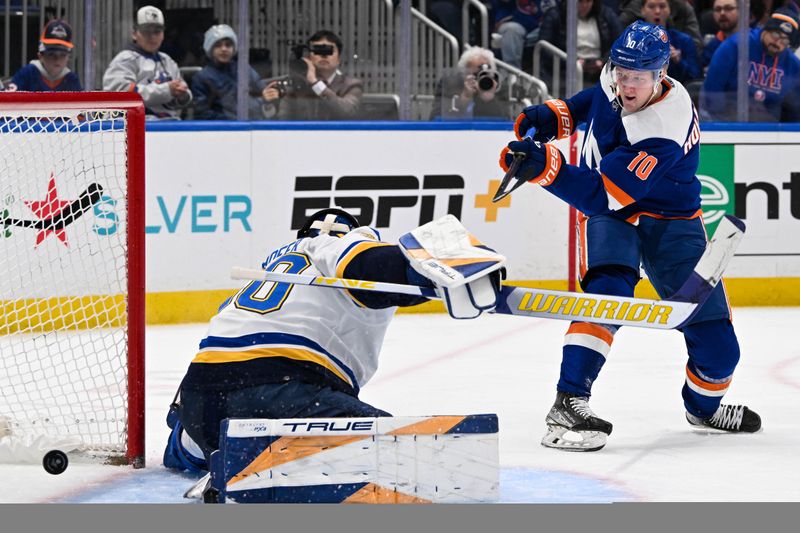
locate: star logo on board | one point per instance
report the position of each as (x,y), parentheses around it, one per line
(48,208)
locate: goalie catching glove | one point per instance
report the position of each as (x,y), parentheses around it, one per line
(542,162)
(465,272)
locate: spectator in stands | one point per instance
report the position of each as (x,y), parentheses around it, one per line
(684,63)
(726,18)
(681,17)
(472,90)
(447,14)
(317,90)
(215,87)
(774,77)
(50,71)
(598,26)
(517,23)
(143,69)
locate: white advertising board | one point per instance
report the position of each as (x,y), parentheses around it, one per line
(217,199)
(222,199)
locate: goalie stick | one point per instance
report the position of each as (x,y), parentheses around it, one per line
(670,313)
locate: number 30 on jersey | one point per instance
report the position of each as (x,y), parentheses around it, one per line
(267,296)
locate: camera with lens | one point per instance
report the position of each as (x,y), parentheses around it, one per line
(298,70)
(487,77)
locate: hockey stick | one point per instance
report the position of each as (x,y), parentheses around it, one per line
(671,313)
(66,216)
(510,180)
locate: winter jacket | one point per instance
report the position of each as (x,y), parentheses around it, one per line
(135,70)
(214,90)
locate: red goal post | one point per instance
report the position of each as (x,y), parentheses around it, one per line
(72,253)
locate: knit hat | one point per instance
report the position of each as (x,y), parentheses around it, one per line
(56,36)
(784,21)
(214,34)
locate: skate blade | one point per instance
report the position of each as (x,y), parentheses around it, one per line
(197,490)
(561,438)
(710,430)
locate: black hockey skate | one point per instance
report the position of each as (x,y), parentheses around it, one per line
(572,426)
(730,418)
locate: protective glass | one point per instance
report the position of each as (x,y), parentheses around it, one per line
(634,78)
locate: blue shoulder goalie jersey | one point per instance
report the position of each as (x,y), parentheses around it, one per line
(632,164)
(270,332)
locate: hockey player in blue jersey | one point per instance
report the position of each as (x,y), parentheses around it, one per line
(276,350)
(49,72)
(640,202)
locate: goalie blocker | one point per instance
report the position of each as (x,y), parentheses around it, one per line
(433,459)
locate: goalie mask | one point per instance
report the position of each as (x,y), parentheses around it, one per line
(332,221)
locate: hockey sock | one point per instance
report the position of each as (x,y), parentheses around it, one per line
(587,345)
(713,355)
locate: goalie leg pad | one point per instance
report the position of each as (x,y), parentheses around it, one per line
(433,459)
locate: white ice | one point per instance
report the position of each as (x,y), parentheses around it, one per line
(431,364)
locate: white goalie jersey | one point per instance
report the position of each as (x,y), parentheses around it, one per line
(324,331)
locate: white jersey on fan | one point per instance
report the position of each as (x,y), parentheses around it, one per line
(268,319)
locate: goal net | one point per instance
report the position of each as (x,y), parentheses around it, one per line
(72,275)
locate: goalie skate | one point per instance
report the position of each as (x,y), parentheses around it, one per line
(728,418)
(572,426)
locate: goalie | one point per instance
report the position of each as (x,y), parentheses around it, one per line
(277,350)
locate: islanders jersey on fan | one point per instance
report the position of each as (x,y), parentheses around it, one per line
(632,164)
(270,332)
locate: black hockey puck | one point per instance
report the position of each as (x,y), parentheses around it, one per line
(55,462)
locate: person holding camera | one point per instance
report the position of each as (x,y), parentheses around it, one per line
(471,91)
(315,89)
(215,87)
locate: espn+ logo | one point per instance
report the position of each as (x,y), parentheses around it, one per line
(374,199)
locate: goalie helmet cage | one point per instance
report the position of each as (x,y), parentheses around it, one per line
(72,293)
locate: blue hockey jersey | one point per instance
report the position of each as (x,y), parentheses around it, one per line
(33,77)
(632,164)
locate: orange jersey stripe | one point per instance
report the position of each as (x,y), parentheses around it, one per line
(618,194)
(633,219)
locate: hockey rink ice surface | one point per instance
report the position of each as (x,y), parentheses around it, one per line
(433,365)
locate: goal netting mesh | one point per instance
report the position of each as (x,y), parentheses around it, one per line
(63,280)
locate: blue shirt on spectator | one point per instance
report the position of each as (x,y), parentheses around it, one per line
(31,77)
(772,83)
(711,47)
(689,66)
